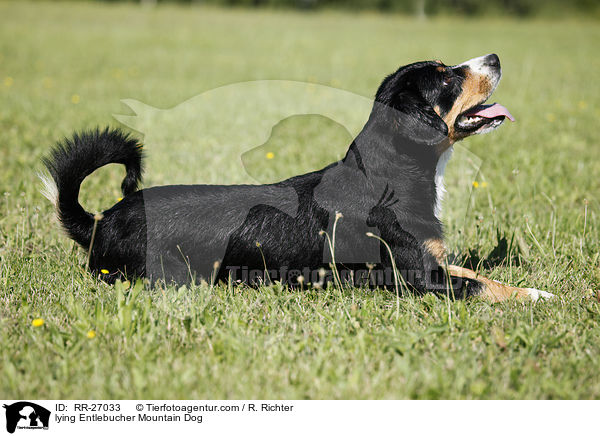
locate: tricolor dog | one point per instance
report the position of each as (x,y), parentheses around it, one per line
(359,220)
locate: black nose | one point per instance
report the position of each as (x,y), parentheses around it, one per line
(492,60)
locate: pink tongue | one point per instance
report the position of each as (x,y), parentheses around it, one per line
(491,111)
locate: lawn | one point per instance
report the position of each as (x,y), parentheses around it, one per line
(531,220)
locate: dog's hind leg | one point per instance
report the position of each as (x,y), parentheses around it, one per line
(169,267)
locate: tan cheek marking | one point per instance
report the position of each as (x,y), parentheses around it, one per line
(443,146)
(475,89)
(437,249)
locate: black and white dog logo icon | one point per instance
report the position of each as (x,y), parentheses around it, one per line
(26,415)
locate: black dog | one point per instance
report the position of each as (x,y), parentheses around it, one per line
(388,187)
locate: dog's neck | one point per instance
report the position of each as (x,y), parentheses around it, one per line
(404,165)
(375,148)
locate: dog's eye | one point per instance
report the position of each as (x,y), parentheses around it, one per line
(448,79)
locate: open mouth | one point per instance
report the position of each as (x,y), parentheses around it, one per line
(482,118)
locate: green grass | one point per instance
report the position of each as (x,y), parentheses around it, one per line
(201,342)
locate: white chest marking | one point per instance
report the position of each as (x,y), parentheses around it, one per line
(439,180)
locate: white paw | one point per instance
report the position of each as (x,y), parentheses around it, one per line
(536,294)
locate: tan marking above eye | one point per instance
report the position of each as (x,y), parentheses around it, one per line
(440,69)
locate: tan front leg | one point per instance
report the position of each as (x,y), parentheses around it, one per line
(495,291)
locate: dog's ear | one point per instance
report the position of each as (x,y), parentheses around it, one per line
(418,120)
(411,117)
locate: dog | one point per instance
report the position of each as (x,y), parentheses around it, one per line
(370,219)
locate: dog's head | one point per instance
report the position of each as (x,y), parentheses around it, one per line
(439,104)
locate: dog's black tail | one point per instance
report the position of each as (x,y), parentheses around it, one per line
(72,160)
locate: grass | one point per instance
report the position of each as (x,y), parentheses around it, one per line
(66,66)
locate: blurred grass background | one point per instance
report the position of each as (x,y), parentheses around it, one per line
(65,66)
(418,8)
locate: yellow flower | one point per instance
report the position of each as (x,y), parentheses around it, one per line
(270,155)
(75,99)
(38,322)
(91,334)
(8,81)
(484,184)
(476,184)
(104,271)
(117,73)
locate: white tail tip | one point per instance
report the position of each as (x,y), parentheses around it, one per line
(49,188)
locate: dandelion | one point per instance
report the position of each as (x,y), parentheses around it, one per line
(104,271)
(8,81)
(475,184)
(91,334)
(75,99)
(38,322)
(484,184)
(270,155)
(117,73)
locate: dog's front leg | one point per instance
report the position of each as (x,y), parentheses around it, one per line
(495,291)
